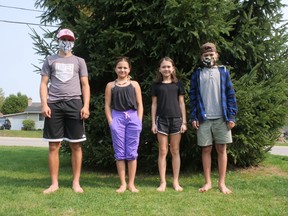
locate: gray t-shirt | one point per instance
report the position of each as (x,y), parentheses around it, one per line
(64,74)
(210,90)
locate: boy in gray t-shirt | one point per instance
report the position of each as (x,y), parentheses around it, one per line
(65,106)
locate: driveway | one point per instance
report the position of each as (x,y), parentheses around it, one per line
(279,150)
(19,141)
(39,142)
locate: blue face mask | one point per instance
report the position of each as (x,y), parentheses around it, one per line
(66,46)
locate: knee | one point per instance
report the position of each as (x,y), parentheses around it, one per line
(75,147)
(221,148)
(163,152)
(54,147)
(207,150)
(175,152)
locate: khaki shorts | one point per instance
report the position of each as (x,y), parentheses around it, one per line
(213,130)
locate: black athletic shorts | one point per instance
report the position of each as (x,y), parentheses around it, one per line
(168,125)
(65,122)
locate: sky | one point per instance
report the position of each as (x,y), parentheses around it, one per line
(18,56)
(17,53)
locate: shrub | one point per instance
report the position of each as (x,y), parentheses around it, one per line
(28,124)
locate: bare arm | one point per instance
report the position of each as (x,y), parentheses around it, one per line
(43,96)
(86,97)
(153,114)
(108,95)
(139,101)
(183,113)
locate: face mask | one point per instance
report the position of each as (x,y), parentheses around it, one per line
(208,61)
(66,46)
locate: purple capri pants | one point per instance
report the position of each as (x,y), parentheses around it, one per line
(125,130)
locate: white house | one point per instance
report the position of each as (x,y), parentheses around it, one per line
(33,112)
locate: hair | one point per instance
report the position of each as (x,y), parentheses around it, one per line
(159,77)
(122,58)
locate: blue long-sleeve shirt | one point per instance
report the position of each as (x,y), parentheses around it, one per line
(228,99)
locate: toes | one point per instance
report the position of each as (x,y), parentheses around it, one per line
(51,189)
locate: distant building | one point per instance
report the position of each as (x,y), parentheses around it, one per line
(33,112)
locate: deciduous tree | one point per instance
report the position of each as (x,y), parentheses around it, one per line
(15,104)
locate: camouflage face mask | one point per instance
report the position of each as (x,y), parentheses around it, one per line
(66,46)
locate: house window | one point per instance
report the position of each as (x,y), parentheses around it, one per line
(41,117)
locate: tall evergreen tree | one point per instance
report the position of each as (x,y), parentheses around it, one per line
(250,43)
(2,97)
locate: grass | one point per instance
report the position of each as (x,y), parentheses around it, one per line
(24,174)
(282,143)
(21,133)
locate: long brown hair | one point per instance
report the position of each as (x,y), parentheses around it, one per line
(159,77)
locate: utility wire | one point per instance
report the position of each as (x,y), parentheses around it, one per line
(25,23)
(19,8)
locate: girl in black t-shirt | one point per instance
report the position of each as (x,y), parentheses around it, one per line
(168,116)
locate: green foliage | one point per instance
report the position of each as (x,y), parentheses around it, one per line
(98,149)
(249,36)
(2,97)
(14,104)
(28,124)
(263,111)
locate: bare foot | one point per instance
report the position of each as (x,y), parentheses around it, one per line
(205,188)
(133,189)
(77,189)
(51,189)
(162,187)
(224,189)
(121,189)
(177,188)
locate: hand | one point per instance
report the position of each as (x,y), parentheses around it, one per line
(154,129)
(46,111)
(195,124)
(183,128)
(84,113)
(230,125)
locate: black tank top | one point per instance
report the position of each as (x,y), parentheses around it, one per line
(123,98)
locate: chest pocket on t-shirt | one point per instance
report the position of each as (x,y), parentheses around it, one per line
(64,72)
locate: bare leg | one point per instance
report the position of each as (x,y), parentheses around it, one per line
(176,161)
(53,160)
(163,150)
(132,167)
(206,161)
(121,166)
(222,167)
(76,160)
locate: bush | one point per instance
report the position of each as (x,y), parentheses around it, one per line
(28,124)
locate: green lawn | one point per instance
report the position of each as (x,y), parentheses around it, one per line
(24,174)
(21,133)
(282,143)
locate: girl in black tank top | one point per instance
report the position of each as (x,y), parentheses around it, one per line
(124,112)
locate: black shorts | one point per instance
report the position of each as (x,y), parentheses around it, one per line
(65,122)
(168,125)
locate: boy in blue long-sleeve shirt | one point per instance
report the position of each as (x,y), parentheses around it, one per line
(213,109)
